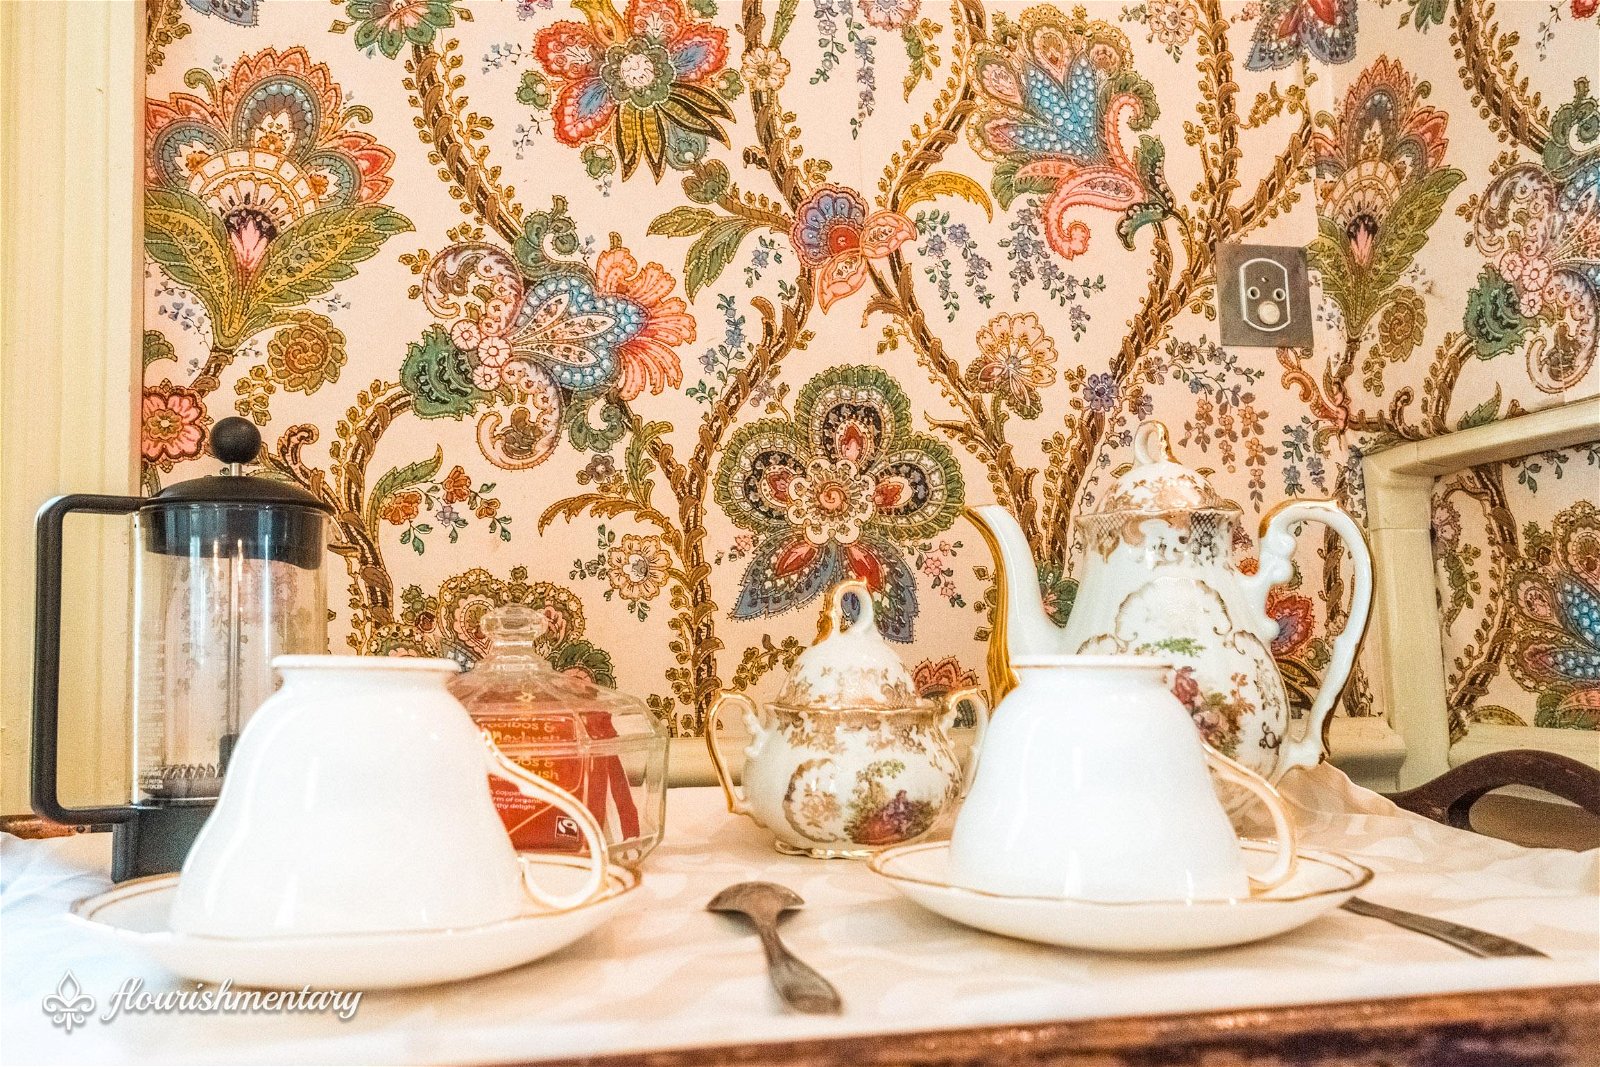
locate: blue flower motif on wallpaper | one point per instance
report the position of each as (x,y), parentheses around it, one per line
(1052,94)
(1288,29)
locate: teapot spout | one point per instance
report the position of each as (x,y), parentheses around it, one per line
(1021,626)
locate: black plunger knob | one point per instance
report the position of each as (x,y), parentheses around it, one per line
(235,440)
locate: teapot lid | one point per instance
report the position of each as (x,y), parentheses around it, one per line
(1158,482)
(850,668)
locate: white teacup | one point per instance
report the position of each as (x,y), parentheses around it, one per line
(357,801)
(1093,785)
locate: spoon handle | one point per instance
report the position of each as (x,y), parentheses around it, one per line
(1469,940)
(802,988)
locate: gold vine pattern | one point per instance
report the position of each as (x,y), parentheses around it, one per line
(1171,140)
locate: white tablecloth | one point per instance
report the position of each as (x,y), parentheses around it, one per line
(667,973)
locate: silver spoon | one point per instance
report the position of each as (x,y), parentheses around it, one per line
(1469,940)
(802,988)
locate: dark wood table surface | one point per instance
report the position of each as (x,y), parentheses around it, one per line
(1554,1027)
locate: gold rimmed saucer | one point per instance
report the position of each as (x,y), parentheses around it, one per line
(1321,882)
(136,914)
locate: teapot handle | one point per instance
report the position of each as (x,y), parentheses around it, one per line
(737,803)
(1277,543)
(952,702)
(531,785)
(1283,831)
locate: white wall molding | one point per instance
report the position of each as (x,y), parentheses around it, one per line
(71,294)
(1410,680)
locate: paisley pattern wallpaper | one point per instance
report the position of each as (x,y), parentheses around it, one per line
(664,315)
(1517,556)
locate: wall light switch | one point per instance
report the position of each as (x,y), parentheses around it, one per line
(1263,296)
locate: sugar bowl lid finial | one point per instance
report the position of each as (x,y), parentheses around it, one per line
(851,665)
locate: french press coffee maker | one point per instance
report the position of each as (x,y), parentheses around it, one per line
(229,574)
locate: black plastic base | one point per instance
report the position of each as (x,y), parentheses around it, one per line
(155,840)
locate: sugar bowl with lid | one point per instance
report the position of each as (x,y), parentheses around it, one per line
(848,759)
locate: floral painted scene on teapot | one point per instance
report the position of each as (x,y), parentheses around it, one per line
(1158,578)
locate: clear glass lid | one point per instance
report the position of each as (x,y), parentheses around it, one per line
(514,682)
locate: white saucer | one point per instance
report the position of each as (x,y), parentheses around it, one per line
(1322,881)
(135,913)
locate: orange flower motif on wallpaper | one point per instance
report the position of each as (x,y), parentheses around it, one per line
(172,425)
(644,81)
(833,231)
(541,339)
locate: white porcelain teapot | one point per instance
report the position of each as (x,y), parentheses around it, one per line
(1158,578)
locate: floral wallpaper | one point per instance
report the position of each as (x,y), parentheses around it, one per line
(1517,557)
(664,315)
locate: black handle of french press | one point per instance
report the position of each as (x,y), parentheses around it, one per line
(47,654)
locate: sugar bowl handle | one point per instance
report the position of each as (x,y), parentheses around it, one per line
(1277,546)
(531,785)
(1283,830)
(952,702)
(758,735)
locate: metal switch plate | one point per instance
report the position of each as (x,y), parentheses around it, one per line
(1263,296)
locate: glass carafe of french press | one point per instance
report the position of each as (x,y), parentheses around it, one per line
(229,573)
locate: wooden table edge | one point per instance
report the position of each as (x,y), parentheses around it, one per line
(1557,1026)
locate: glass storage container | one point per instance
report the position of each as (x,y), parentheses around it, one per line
(602,746)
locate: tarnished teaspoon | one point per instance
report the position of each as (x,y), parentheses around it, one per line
(802,988)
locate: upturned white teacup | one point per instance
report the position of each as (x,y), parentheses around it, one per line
(357,801)
(1093,785)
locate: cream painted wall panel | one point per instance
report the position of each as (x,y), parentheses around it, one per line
(71,82)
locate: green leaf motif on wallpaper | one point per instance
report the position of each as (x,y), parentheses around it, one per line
(1574,132)
(321,249)
(636,460)
(399,478)
(1424,13)
(682,222)
(1483,414)
(708,182)
(437,376)
(1405,230)
(1555,712)
(533,90)
(191,243)
(584,434)
(1361,290)
(1008,184)
(587,656)
(1492,318)
(716,247)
